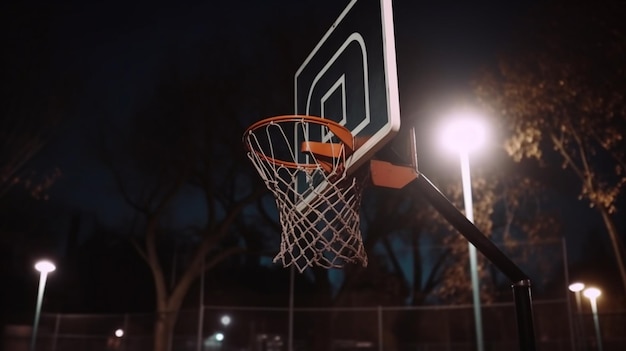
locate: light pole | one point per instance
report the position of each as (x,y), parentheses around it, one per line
(466,133)
(44,267)
(592,294)
(577,288)
(199,335)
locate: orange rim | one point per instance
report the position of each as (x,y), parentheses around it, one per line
(341,132)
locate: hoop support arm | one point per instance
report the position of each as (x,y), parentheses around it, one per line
(521,282)
(394,176)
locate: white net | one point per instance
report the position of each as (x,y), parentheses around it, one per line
(318,204)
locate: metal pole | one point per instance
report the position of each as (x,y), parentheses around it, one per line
(125,335)
(524,314)
(572,327)
(469,213)
(42,286)
(380,328)
(57,321)
(596,322)
(521,286)
(579,320)
(291,291)
(200,310)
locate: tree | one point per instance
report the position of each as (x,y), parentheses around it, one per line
(187,140)
(561,89)
(35,98)
(184,175)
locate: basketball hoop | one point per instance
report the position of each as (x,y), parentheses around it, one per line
(302,160)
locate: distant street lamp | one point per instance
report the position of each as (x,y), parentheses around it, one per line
(592,294)
(115,342)
(119,332)
(225,320)
(44,267)
(577,288)
(467,133)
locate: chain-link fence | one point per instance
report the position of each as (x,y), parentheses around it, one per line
(559,325)
(428,328)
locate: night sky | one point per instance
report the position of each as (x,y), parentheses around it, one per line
(110,53)
(114,50)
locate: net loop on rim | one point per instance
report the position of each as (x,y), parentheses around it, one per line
(301,160)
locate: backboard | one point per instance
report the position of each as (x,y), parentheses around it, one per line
(346,109)
(350,77)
